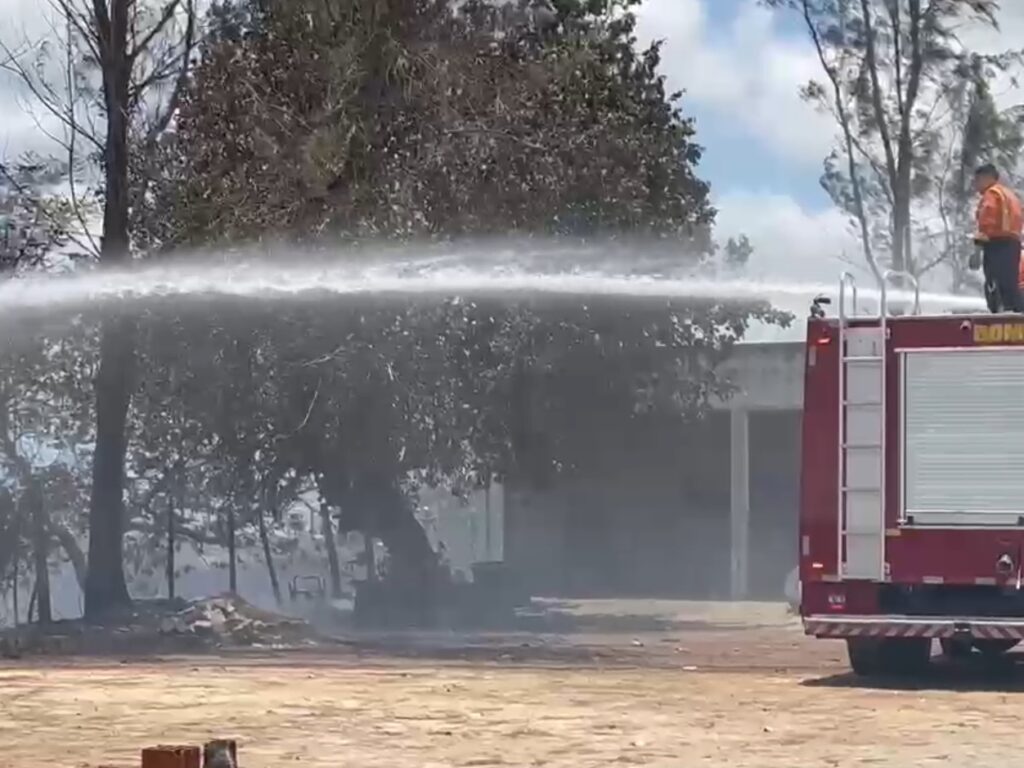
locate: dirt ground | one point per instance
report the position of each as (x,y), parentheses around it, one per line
(654,684)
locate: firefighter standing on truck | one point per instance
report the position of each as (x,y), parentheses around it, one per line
(999,237)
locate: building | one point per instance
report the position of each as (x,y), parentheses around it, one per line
(706,511)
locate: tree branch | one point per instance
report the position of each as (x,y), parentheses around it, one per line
(181,82)
(101,19)
(69,75)
(43,94)
(74,552)
(881,120)
(165,18)
(844,124)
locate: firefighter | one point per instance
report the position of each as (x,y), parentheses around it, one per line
(998,236)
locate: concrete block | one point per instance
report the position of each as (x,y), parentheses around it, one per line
(170,757)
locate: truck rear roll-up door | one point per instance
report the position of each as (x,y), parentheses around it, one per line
(963,430)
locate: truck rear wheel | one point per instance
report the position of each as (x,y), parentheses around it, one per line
(889,656)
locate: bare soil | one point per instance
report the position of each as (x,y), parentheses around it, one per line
(654,684)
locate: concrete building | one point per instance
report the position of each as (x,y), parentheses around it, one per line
(706,510)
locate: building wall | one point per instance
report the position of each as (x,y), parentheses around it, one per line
(677,510)
(618,530)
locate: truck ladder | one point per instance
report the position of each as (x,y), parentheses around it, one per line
(861,476)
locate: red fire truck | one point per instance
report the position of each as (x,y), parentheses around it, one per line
(912,492)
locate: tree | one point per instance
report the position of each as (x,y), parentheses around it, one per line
(737,252)
(309,121)
(137,55)
(317,121)
(35,220)
(306,125)
(889,69)
(43,388)
(983,133)
(44,438)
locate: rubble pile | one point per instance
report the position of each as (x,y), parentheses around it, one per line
(229,620)
(164,627)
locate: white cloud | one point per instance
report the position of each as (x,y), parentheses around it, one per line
(747,72)
(790,242)
(751,74)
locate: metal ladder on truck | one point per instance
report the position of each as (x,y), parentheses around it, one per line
(862,449)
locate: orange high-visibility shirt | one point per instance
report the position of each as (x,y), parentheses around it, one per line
(999,214)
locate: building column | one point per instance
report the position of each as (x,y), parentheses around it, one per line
(494,523)
(739,502)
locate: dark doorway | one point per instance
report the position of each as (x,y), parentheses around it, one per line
(774,500)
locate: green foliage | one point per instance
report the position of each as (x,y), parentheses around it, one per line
(327,119)
(35,217)
(737,252)
(45,437)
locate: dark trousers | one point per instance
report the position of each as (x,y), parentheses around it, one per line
(1001,265)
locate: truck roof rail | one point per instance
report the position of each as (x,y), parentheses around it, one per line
(888,277)
(848,304)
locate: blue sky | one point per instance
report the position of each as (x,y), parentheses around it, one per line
(741,67)
(738,154)
(737,158)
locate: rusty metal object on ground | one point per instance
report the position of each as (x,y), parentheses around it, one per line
(164,756)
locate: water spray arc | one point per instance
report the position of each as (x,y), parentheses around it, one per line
(409,279)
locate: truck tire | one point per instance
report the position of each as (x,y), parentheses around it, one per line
(889,656)
(956,649)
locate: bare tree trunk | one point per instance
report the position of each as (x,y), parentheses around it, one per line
(370,555)
(170,548)
(268,555)
(72,550)
(16,560)
(232,555)
(32,602)
(40,551)
(332,549)
(105,585)
(15,586)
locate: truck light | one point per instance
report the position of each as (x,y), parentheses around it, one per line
(1005,565)
(817,566)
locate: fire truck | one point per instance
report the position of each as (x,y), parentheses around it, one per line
(912,487)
